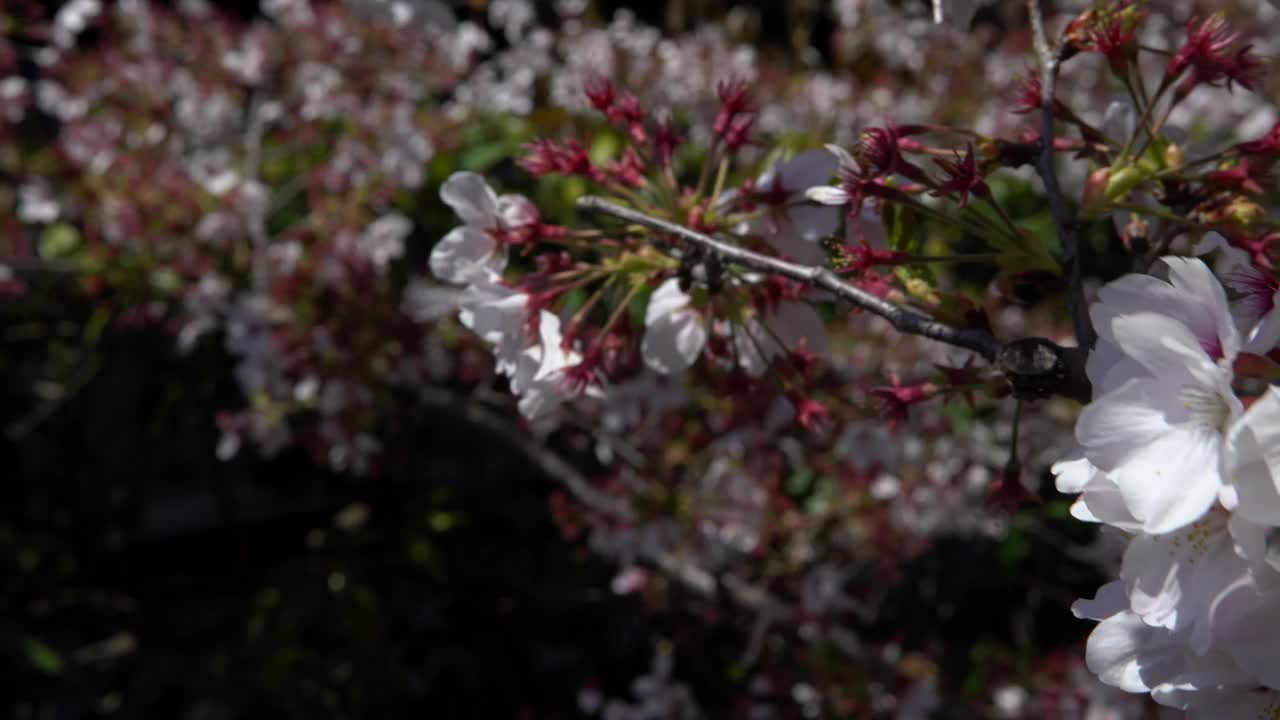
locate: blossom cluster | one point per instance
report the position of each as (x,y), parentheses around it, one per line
(243,185)
(1161,443)
(275,195)
(1177,452)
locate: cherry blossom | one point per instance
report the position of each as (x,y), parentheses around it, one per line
(674,331)
(1162,449)
(790,225)
(477,246)
(1170,455)
(1252,462)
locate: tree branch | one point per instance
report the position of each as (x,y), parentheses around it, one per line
(1034,367)
(689,575)
(903,319)
(1066,224)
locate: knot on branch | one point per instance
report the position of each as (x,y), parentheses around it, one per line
(1037,368)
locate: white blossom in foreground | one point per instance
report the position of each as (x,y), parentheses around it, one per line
(528,346)
(786,220)
(1253,460)
(1256,293)
(1162,374)
(475,248)
(1169,455)
(676,331)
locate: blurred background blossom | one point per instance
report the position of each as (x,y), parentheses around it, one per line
(258,469)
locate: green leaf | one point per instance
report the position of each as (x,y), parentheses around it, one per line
(59,240)
(906,233)
(605,146)
(903,227)
(1014,550)
(1030,255)
(96,324)
(799,481)
(1058,510)
(42,657)
(166,280)
(825,490)
(478,158)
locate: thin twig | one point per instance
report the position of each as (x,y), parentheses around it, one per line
(1067,226)
(1034,367)
(683,571)
(479,416)
(904,319)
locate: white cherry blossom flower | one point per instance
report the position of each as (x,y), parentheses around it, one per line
(1100,500)
(497,314)
(1127,653)
(674,330)
(1257,293)
(1234,703)
(383,240)
(834,195)
(1175,580)
(1252,460)
(539,376)
(1244,625)
(1165,377)
(474,249)
(791,226)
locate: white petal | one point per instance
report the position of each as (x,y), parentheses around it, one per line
(1195,278)
(843,158)
(471,199)
(1264,335)
(1109,600)
(1073,472)
(796,236)
(497,314)
(1153,572)
(1252,459)
(1126,653)
(1241,702)
(827,195)
(554,357)
(1173,481)
(1161,344)
(809,168)
(1108,367)
(515,211)
(674,331)
(1080,511)
(1231,259)
(1102,502)
(465,255)
(811,224)
(665,300)
(1244,627)
(754,347)
(1207,682)
(1119,121)
(1118,425)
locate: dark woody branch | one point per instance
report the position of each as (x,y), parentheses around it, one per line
(1068,227)
(1034,367)
(688,575)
